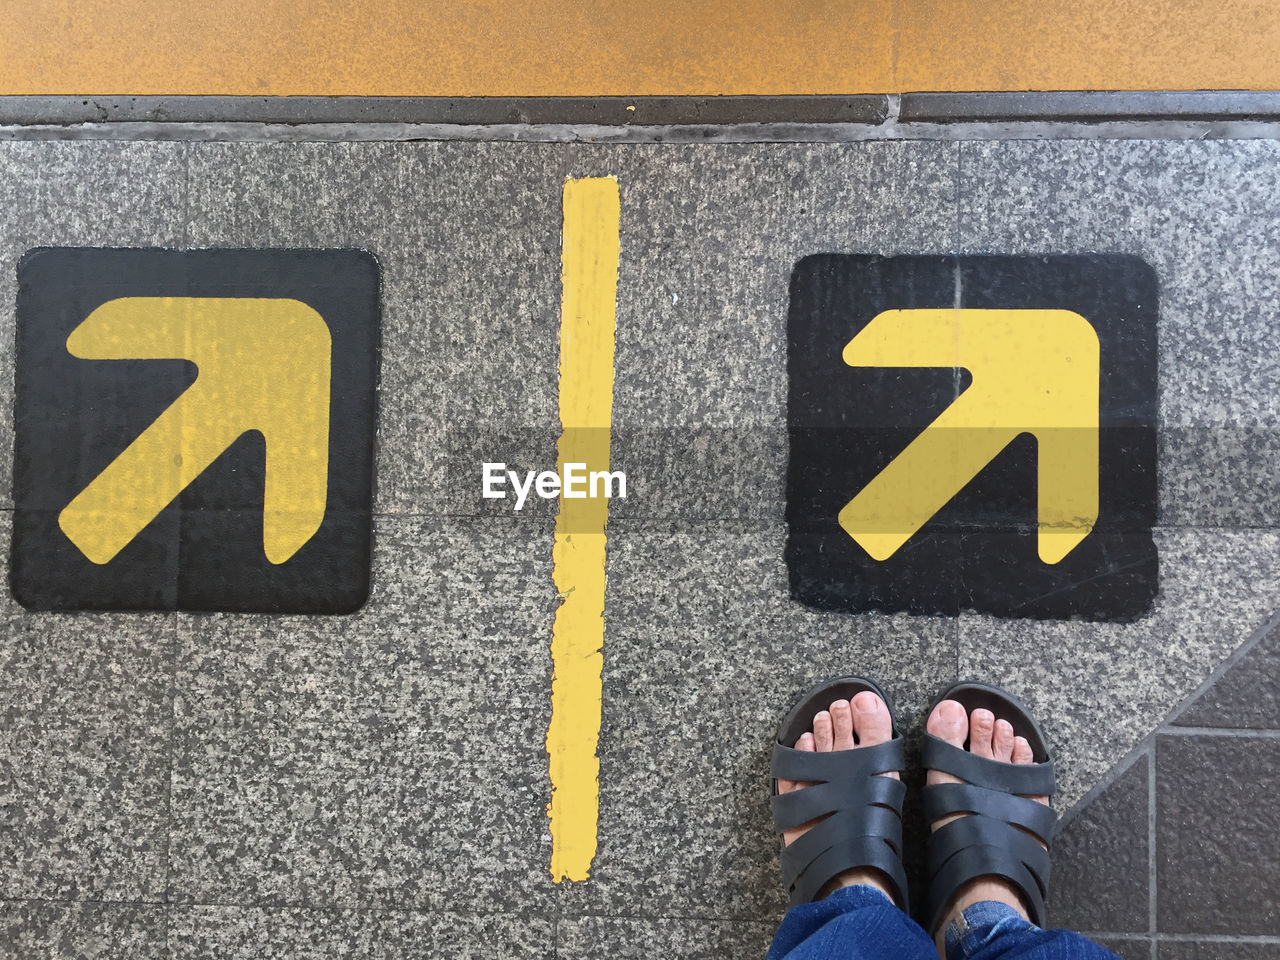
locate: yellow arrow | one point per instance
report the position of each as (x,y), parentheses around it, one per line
(263,365)
(1034,371)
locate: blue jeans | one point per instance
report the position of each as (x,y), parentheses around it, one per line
(861,923)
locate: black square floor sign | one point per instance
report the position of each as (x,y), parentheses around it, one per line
(195,430)
(973,433)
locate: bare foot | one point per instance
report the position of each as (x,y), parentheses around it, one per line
(864,722)
(993,739)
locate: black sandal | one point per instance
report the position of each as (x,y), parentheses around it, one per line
(862,811)
(1004,832)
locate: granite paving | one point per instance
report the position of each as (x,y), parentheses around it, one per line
(375,785)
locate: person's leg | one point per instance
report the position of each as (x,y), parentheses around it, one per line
(858,922)
(991,930)
(987,919)
(857,919)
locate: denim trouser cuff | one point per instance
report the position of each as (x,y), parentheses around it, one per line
(980,924)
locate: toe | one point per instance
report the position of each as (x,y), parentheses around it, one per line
(1002,743)
(982,724)
(871,720)
(842,725)
(823,734)
(949,722)
(805,743)
(1022,751)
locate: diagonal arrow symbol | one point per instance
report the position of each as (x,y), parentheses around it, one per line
(264,364)
(1034,371)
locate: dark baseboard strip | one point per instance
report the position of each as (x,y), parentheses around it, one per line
(1088,106)
(868,109)
(1173,115)
(463,111)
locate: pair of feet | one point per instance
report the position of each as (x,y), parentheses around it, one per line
(865,721)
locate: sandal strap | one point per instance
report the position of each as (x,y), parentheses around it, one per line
(971,862)
(845,853)
(800,806)
(1029,779)
(1000,833)
(948,799)
(792,764)
(862,811)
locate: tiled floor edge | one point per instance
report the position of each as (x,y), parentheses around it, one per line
(1143,746)
(1241,652)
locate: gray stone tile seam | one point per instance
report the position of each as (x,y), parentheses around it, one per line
(171,739)
(663,524)
(1240,733)
(1153,862)
(1181,937)
(87,901)
(1214,938)
(333,908)
(679,917)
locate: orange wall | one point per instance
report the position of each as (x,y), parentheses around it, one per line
(603,47)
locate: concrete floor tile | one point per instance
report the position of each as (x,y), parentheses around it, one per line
(245,671)
(394,759)
(1101,860)
(1246,696)
(1098,688)
(1201,213)
(1129,949)
(446,834)
(83,810)
(456,639)
(92,193)
(1214,813)
(268,815)
(1220,476)
(84,665)
(701,630)
(460,936)
(301,195)
(1218,949)
(684,831)
(84,728)
(252,933)
(627,938)
(357,758)
(69,931)
(709,241)
(453,642)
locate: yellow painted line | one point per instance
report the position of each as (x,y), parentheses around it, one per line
(264,364)
(589,277)
(532,48)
